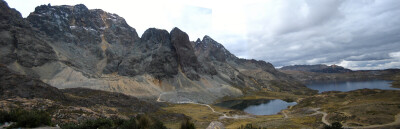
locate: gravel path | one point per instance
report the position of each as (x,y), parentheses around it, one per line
(212,109)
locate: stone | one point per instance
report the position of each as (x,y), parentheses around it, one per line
(216,125)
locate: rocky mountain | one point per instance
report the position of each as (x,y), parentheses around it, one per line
(319,68)
(72,46)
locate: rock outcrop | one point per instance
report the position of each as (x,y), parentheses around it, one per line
(21,43)
(73,46)
(163,61)
(185,54)
(92,41)
(216,125)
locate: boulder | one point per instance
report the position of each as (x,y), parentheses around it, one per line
(216,125)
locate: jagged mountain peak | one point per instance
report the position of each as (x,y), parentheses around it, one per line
(208,48)
(6,11)
(208,40)
(80,8)
(20,43)
(65,19)
(198,41)
(176,29)
(11,16)
(157,34)
(206,37)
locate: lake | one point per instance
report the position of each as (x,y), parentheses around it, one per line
(351,85)
(271,107)
(257,106)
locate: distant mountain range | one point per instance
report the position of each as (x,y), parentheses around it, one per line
(72,46)
(334,73)
(319,68)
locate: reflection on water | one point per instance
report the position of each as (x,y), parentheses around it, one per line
(258,106)
(351,85)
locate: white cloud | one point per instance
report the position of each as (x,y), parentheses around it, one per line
(392,62)
(395,54)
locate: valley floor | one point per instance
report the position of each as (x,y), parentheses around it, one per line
(364,108)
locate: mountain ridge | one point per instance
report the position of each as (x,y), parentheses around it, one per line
(319,68)
(98,50)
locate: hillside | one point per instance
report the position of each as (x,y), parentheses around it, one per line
(67,105)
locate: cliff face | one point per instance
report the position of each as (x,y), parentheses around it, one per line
(72,46)
(20,42)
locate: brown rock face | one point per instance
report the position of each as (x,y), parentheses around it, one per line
(187,59)
(164,61)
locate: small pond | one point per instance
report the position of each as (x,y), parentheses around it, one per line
(351,85)
(257,106)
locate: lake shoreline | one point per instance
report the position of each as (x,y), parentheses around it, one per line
(345,86)
(257,106)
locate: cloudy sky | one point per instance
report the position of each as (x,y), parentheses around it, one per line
(357,34)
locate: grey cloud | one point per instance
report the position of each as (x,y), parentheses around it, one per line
(369,56)
(317,12)
(361,32)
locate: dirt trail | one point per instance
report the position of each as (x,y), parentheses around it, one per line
(323,119)
(285,116)
(212,109)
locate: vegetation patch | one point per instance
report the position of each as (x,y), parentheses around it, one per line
(360,107)
(24,118)
(139,122)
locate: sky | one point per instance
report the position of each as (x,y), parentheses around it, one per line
(356,34)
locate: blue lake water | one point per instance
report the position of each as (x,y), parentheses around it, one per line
(258,106)
(351,85)
(271,107)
